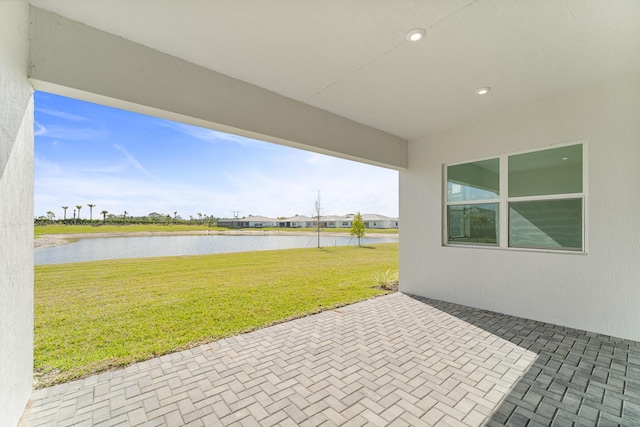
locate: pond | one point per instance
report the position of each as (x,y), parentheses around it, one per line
(99,248)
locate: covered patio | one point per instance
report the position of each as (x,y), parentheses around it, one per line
(477,117)
(395,360)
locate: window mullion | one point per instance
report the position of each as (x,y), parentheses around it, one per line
(547,197)
(503,218)
(473,202)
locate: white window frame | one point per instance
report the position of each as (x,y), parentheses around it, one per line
(446,204)
(503,202)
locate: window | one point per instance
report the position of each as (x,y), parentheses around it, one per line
(472,202)
(532,200)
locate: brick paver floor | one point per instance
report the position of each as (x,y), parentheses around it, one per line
(393,360)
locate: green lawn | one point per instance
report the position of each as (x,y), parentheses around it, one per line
(40,230)
(93,316)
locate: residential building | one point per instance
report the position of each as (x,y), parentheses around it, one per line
(249,222)
(379,221)
(301,221)
(298,221)
(331,221)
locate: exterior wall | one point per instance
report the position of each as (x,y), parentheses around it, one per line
(16,214)
(378,224)
(232,223)
(598,291)
(76,60)
(261,224)
(299,222)
(378,221)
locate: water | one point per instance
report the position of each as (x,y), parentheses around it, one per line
(99,248)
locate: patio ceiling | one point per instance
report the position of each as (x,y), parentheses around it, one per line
(352,59)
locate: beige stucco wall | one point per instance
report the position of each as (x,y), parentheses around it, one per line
(16,214)
(599,291)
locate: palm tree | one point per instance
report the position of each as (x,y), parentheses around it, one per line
(65,213)
(51,215)
(124,218)
(91,206)
(78,207)
(104,217)
(74,216)
(175,217)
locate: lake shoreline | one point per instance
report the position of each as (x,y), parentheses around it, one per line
(48,240)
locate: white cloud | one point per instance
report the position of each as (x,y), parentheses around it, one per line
(251,193)
(210,135)
(46,166)
(38,129)
(133,161)
(69,133)
(61,114)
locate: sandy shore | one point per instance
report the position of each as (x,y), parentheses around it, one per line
(47,240)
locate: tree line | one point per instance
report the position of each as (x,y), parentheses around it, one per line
(122,218)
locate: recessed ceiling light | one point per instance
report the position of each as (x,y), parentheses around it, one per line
(565,158)
(416,35)
(483,90)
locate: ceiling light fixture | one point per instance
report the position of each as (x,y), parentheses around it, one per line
(483,90)
(416,35)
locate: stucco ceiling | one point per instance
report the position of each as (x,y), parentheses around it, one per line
(351,57)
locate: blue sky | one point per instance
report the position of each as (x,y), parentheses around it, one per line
(119,160)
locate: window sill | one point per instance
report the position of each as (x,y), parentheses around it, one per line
(498,248)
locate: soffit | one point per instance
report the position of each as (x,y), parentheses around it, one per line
(351,57)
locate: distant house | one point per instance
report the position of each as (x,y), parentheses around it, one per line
(261,221)
(331,221)
(233,223)
(303,221)
(338,221)
(347,221)
(298,221)
(252,221)
(379,221)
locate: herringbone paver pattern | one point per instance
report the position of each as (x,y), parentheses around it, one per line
(394,360)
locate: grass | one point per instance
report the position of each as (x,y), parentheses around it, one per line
(40,230)
(387,280)
(94,316)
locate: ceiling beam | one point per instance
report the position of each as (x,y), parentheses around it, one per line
(73,59)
